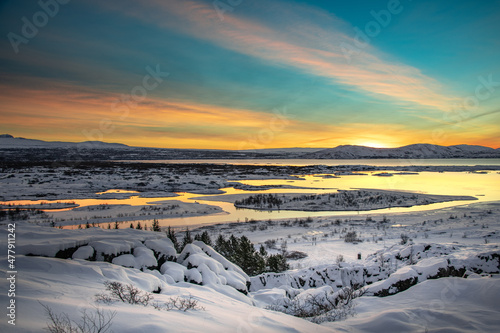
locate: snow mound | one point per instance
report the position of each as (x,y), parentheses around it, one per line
(432,268)
(162,247)
(207,267)
(174,270)
(111,248)
(69,286)
(444,305)
(84,252)
(142,258)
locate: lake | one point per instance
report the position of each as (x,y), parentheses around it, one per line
(371,162)
(483,186)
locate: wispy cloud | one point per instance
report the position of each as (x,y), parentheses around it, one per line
(305,38)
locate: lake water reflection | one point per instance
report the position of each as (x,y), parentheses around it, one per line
(483,186)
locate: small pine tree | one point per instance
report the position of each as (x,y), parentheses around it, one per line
(131,225)
(171,235)
(205,238)
(87,225)
(277,263)
(222,246)
(116,225)
(188,239)
(109,225)
(155,226)
(138,227)
(262,251)
(80,226)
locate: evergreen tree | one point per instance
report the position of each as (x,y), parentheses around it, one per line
(116,225)
(80,226)
(222,246)
(205,238)
(262,251)
(277,263)
(171,235)
(87,225)
(139,227)
(109,225)
(155,226)
(242,252)
(188,239)
(131,225)
(249,260)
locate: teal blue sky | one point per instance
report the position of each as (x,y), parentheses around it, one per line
(245,74)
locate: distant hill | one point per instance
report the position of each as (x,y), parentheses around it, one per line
(28,149)
(7,141)
(415,151)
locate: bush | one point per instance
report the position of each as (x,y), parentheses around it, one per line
(295,255)
(352,237)
(404,239)
(98,322)
(126,293)
(320,308)
(276,263)
(179,303)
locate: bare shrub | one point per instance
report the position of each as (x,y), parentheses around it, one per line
(179,303)
(94,322)
(126,293)
(270,243)
(404,239)
(339,260)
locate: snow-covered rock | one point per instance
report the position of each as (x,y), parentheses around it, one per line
(207,267)
(84,252)
(163,247)
(176,271)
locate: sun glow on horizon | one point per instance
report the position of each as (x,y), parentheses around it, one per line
(373,144)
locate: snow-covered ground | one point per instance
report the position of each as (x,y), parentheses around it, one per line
(463,241)
(422,270)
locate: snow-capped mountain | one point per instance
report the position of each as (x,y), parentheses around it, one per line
(8,141)
(407,152)
(15,146)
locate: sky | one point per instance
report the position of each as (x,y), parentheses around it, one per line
(251,74)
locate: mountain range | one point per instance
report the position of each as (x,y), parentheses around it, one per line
(415,151)
(13,147)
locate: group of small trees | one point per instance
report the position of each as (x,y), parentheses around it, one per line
(260,200)
(242,252)
(238,250)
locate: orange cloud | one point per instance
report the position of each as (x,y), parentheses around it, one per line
(57,110)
